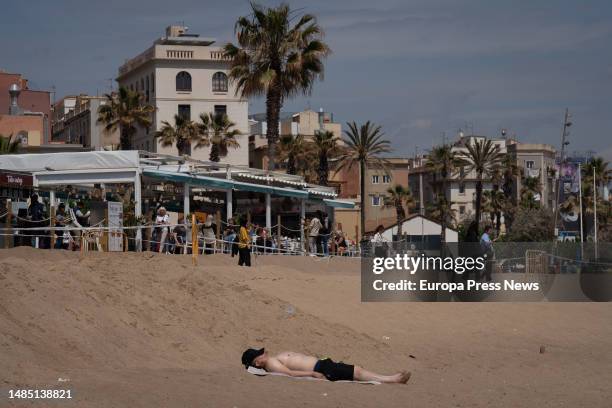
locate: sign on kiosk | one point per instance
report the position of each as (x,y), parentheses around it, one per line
(115,226)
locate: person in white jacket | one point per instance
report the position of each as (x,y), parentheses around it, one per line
(162,220)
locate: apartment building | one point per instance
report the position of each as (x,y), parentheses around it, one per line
(185,74)
(378,181)
(74,121)
(535,160)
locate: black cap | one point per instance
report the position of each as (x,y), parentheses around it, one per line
(249,355)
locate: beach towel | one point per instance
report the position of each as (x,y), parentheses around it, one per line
(261,372)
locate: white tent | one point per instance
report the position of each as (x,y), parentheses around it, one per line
(417,225)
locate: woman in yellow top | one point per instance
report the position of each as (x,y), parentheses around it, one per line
(244,245)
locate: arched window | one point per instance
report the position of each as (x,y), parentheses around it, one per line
(183,81)
(219,82)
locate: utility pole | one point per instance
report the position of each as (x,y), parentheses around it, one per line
(580,204)
(595,210)
(564,142)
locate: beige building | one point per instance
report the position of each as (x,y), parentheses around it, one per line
(74,121)
(300,123)
(536,160)
(185,74)
(378,181)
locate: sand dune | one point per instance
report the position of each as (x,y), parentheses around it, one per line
(147,330)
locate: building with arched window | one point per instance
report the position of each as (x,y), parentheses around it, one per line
(183,82)
(219,82)
(188,75)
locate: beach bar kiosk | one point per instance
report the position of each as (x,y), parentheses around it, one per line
(229,186)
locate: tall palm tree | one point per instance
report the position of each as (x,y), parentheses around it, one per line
(603,174)
(278,54)
(530,188)
(482,157)
(8,145)
(494,204)
(363,146)
(219,134)
(326,145)
(399,198)
(124,110)
(183,134)
(442,163)
(293,151)
(509,172)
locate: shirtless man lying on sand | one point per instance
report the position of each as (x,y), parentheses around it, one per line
(300,365)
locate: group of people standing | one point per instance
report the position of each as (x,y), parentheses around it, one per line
(320,236)
(243,238)
(37,217)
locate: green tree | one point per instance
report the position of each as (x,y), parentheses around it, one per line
(8,145)
(293,151)
(442,163)
(599,166)
(278,54)
(530,189)
(326,145)
(399,197)
(124,110)
(441,211)
(508,173)
(482,157)
(364,146)
(218,133)
(532,225)
(603,175)
(494,204)
(183,134)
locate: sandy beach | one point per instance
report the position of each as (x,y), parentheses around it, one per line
(150,330)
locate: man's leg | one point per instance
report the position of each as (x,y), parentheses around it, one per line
(240,256)
(361,374)
(247,256)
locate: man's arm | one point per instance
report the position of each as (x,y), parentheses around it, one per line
(275,366)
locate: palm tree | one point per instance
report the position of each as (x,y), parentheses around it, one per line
(603,175)
(530,188)
(8,145)
(293,150)
(494,204)
(279,54)
(399,197)
(482,157)
(509,172)
(364,145)
(218,133)
(442,161)
(326,145)
(124,110)
(183,134)
(440,209)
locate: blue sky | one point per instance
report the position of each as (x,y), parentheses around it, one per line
(419,68)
